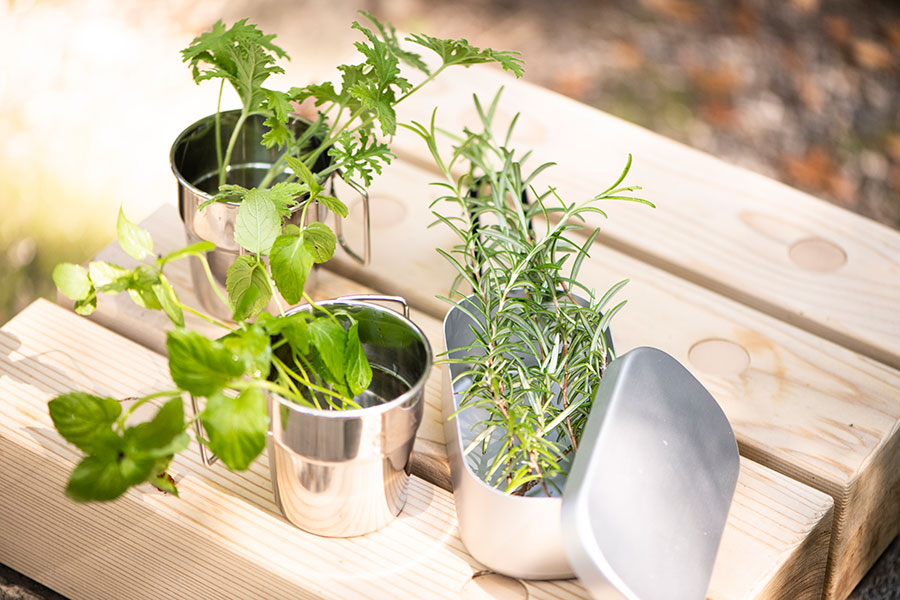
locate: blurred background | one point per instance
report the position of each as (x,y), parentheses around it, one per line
(92,93)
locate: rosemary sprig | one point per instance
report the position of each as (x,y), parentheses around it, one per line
(539,350)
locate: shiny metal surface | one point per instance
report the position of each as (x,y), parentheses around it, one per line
(647,497)
(344,473)
(194,163)
(651,485)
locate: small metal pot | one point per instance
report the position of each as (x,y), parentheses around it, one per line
(343,473)
(195,165)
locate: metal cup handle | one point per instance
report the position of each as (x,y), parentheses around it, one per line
(378,298)
(339,229)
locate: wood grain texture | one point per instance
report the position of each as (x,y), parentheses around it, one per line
(724,227)
(809,408)
(224,538)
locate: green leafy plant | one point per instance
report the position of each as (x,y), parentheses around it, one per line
(348,113)
(313,358)
(538,352)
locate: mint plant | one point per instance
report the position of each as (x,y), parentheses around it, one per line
(312,358)
(538,352)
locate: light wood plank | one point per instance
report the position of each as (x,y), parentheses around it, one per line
(223,538)
(804,406)
(736,232)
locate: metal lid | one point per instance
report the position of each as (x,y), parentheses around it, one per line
(650,488)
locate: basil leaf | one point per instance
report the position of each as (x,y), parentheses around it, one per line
(82,418)
(258,223)
(247,285)
(72,281)
(330,341)
(236,427)
(290,261)
(168,300)
(357,369)
(160,437)
(320,241)
(134,240)
(198,365)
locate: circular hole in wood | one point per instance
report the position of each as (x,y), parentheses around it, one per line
(384,211)
(719,357)
(816,254)
(487,585)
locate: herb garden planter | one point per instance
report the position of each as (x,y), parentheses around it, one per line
(646,498)
(193,159)
(343,473)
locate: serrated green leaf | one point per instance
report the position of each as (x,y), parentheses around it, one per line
(97,479)
(291,262)
(72,280)
(334,205)
(82,418)
(358,373)
(199,365)
(389,36)
(330,341)
(319,240)
(460,52)
(258,222)
(160,437)
(134,240)
(236,427)
(380,101)
(109,278)
(141,286)
(197,249)
(87,305)
(253,345)
(247,286)
(168,300)
(303,173)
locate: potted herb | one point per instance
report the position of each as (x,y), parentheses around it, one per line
(265,145)
(307,379)
(528,344)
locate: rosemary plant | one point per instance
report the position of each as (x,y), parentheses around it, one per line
(539,350)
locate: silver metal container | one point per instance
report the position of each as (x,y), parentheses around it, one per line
(194,163)
(647,496)
(344,473)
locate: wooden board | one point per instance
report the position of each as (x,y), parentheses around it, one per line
(802,405)
(223,538)
(738,233)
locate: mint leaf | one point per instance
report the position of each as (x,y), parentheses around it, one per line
(134,240)
(247,285)
(168,300)
(97,478)
(193,250)
(358,373)
(236,427)
(292,327)
(82,419)
(319,240)
(303,173)
(87,305)
(141,287)
(334,205)
(258,223)
(291,262)
(198,365)
(160,437)
(109,278)
(330,341)
(72,280)
(252,345)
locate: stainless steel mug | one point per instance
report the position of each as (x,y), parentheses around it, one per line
(195,165)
